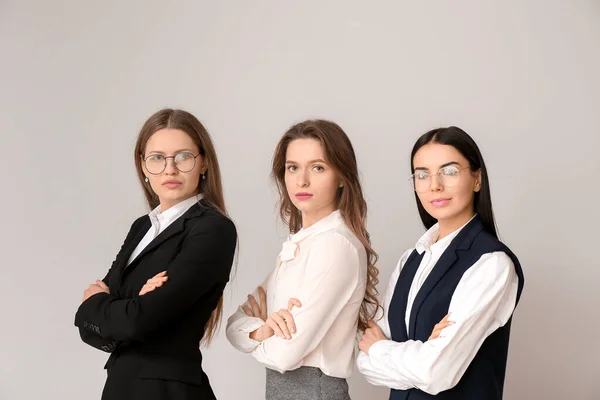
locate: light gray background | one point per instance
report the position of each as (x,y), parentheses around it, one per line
(77,80)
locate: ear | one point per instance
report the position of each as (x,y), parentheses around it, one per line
(143,164)
(202,164)
(477,180)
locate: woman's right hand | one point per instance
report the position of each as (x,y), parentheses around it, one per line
(154,282)
(254,309)
(437,329)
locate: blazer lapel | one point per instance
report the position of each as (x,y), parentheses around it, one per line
(176,227)
(462,241)
(128,248)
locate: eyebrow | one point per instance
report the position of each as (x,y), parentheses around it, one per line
(442,166)
(318,160)
(177,151)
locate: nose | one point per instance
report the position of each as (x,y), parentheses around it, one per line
(435,183)
(171,168)
(302,179)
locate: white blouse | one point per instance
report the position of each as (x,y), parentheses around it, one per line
(325,267)
(483,301)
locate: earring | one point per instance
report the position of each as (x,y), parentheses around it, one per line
(146,179)
(203,176)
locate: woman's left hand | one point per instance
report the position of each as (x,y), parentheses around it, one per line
(95,288)
(372,335)
(282,322)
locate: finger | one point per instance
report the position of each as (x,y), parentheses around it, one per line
(361,345)
(147,288)
(445,319)
(434,336)
(157,280)
(294,303)
(289,320)
(274,326)
(247,311)
(371,324)
(101,284)
(370,334)
(262,295)
(160,274)
(282,325)
(436,333)
(444,324)
(254,305)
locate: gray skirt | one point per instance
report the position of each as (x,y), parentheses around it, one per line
(305,383)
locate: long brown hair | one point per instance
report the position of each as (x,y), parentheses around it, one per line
(339,154)
(210,187)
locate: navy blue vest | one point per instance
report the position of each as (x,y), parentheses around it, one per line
(484,378)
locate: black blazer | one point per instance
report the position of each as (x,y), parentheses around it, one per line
(154,338)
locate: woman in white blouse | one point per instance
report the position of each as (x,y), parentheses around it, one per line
(458,268)
(302,322)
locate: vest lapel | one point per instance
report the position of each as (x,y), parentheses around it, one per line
(463,240)
(397,308)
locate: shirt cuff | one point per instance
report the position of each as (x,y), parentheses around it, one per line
(251,328)
(379,349)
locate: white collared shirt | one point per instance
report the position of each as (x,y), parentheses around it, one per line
(483,301)
(325,267)
(160,222)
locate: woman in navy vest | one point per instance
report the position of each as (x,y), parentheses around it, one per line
(459,273)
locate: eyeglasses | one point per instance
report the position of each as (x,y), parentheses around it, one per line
(449,176)
(157,163)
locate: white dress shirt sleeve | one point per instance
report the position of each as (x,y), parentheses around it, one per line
(239,325)
(483,301)
(331,278)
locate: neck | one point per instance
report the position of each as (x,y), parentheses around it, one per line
(447,226)
(166,204)
(309,219)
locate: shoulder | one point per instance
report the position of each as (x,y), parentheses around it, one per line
(486,240)
(139,224)
(405,256)
(493,249)
(337,246)
(338,237)
(203,219)
(140,221)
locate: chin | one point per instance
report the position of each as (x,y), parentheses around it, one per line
(440,214)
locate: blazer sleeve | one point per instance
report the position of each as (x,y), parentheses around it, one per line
(87,331)
(203,262)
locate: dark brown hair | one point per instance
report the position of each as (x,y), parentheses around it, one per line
(211,187)
(465,145)
(339,154)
